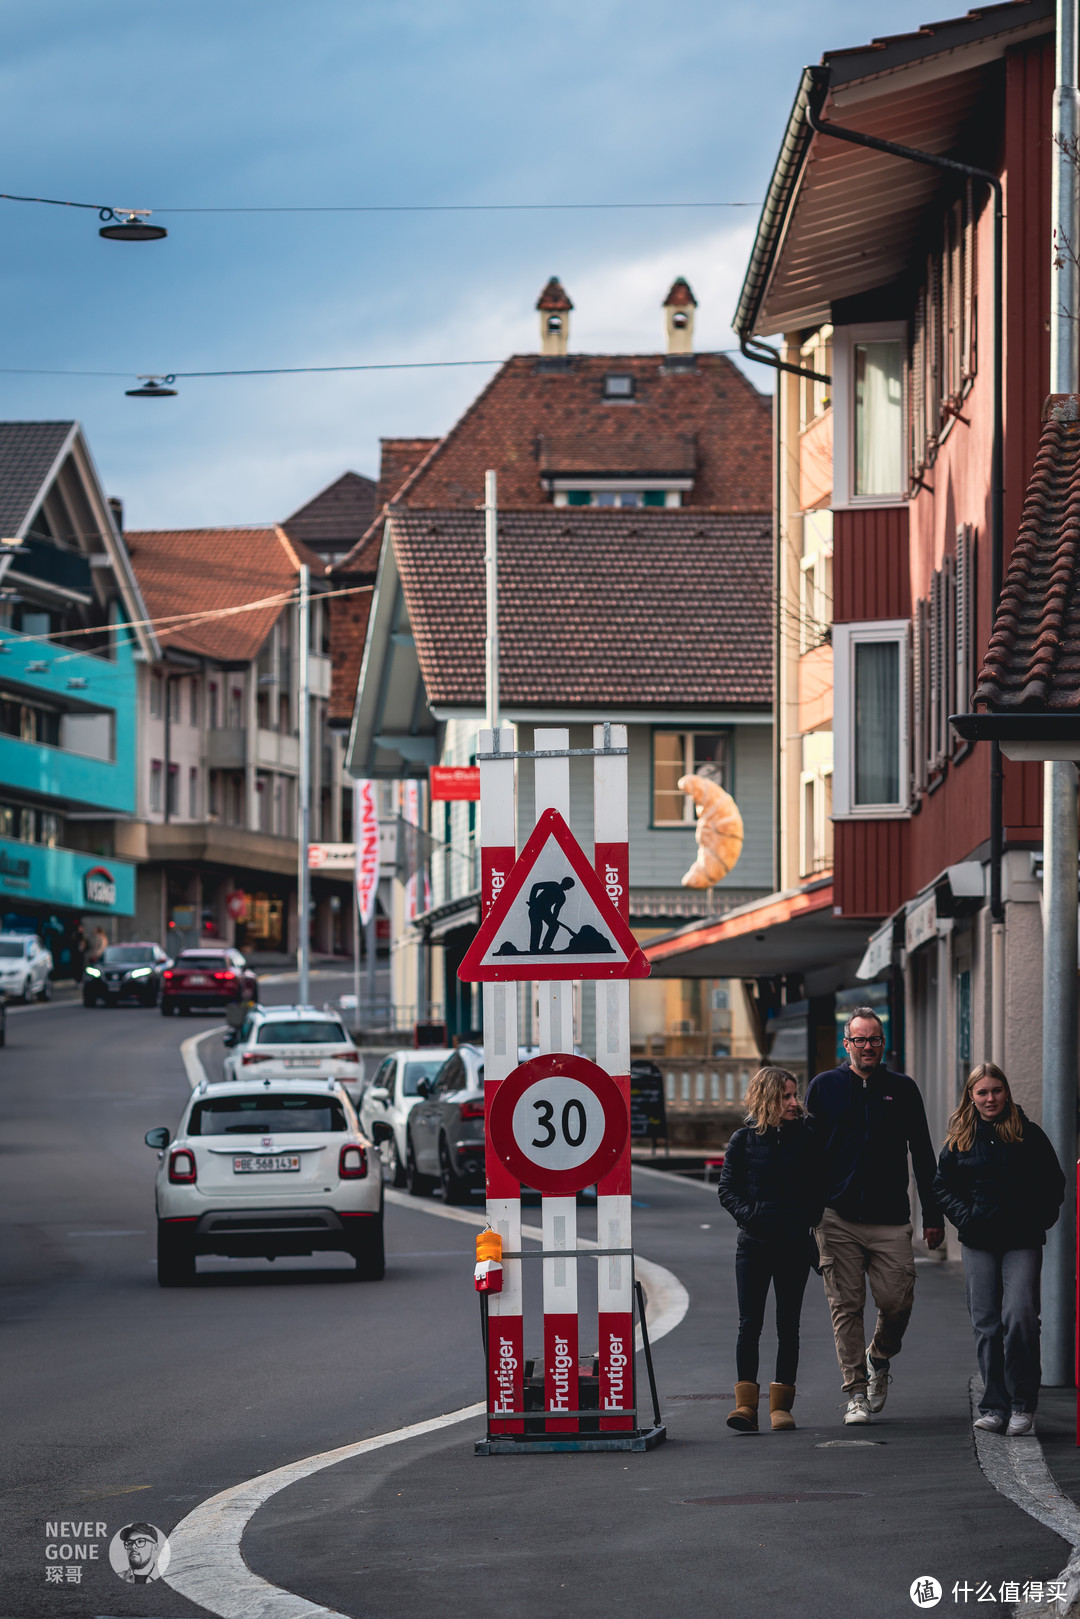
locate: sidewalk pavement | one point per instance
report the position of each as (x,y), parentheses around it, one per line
(827,1521)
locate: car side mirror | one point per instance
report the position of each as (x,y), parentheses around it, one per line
(381,1132)
(233,1037)
(424,1087)
(379,1093)
(159,1138)
(235,1014)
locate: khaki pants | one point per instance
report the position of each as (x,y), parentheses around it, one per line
(850,1253)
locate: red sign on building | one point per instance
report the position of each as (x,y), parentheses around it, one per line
(455,783)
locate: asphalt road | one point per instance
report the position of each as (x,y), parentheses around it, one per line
(123,1401)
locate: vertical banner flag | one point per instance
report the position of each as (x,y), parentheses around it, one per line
(366,833)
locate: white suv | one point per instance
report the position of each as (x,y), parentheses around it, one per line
(292,1042)
(391,1097)
(263,1168)
(25,966)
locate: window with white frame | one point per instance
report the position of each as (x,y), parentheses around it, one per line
(157,701)
(155,786)
(868,393)
(870,719)
(686,753)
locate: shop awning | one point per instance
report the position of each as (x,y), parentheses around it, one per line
(789,932)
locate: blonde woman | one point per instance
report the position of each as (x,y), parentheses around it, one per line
(771,1184)
(1000,1184)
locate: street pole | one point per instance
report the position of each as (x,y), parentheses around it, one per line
(491,572)
(1060,851)
(303,872)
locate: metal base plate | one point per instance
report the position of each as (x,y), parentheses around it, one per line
(640,1439)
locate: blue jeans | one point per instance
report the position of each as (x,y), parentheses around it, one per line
(1003,1302)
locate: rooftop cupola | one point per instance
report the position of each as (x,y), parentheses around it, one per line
(679,306)
(554,307)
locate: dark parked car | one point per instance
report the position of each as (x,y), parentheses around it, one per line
(125,972)
(444,1135)
(211,977)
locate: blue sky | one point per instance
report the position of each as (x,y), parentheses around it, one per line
(221,103)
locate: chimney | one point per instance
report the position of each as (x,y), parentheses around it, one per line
(679,306)
(554,307)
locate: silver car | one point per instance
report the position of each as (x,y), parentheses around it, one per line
(391,1097)
(444,1141)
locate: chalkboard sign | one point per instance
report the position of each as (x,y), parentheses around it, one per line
(647,1101)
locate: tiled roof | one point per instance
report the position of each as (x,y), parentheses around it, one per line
(28,451)
(348,632)
(621,450)
(527,402)
(680,295)
(196,570)
(399,458)
(554,296)
(612,607)
(337,517)
(1033,660)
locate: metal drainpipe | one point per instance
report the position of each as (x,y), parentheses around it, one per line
(1059,1030)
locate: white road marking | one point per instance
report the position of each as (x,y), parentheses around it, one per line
(207,1565)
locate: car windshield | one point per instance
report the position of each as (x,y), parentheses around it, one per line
(129,955)
(309,1033)
(416,1071)
(201,963)
(266,1114)
(11,948)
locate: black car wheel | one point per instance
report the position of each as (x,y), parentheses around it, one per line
(90,1000)
(45,993)
(454,1189)
(419,1185)
(175,1258)
(368,1249)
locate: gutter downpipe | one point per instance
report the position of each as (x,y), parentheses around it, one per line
(1059,1024)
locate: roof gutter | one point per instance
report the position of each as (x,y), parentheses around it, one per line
(819,81)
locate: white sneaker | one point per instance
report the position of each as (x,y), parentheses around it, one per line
(877,1384)
(1021,1422)
(990,1421)
(858,1410)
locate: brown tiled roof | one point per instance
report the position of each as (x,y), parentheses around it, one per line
(348,632)
(196,570)
(642,608)
(530,400)
(399,458)
(617,453)
(680,295)
(554,296)
(1033,659)
(338,517)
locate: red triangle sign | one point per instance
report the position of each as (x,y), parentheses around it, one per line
(552,918)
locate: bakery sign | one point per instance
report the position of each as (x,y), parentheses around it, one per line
(99,886)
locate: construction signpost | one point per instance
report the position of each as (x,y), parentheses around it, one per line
(558,1122)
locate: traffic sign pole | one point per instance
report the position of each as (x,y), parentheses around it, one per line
(615,1282)
(498,847)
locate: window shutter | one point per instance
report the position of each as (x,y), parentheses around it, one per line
(965,596)
(935,638)
(919,694)
(969,284)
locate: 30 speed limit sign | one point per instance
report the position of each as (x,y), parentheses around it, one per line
(558,1123)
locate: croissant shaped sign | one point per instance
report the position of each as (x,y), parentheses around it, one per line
(552,918)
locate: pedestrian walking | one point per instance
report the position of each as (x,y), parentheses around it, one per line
(866,1120)
(99,943)
(1000,1183)
(771,1185)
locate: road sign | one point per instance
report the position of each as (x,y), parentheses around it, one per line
(558,1123)
(552,919)
(236,904)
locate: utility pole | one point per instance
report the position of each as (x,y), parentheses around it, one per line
(1060,852)
(303,872)
(491,572)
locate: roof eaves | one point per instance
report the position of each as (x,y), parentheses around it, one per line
(777,208)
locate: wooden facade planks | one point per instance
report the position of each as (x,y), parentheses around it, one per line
(871,574)
(871,867)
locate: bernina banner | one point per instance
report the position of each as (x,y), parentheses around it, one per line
(366,831)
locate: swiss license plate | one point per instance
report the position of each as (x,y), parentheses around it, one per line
(301,1062)
(281,1164)
(197,978)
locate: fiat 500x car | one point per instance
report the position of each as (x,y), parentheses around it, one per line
(25,966)
(266,1167)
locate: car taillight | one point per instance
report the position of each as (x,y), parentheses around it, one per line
(256,1056)
(168,973)
(181,1167)
(472,1110)
(352,1163)
(225,978)
(348,1056)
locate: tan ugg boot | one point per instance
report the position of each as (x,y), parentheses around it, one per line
(744,1416)
(781,1400)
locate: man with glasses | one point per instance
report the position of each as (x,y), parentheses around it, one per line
(866,1120)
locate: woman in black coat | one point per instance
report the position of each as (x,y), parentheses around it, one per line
(771,1183)
(1000,1184)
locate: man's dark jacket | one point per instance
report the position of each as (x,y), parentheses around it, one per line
(1001,1194)
(865,1130)
(771,1183)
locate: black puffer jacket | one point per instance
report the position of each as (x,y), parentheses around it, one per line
(1000,1195)
(772,1184)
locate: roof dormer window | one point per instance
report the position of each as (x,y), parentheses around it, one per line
(617,385)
